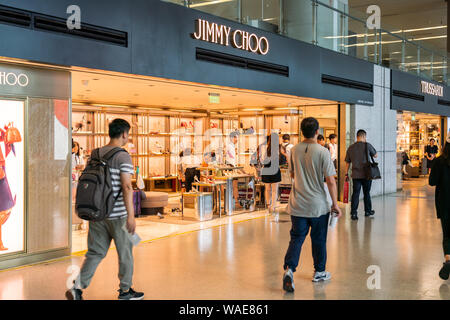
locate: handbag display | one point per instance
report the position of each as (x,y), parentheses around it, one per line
(371,169)
(13,135)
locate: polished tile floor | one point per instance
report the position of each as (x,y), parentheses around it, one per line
(243,260)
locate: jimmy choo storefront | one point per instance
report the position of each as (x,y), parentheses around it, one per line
(34,164)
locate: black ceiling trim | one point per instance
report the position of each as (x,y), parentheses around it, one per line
(337,81)
(408,95)
(240,62)
(444,102)
(37,21)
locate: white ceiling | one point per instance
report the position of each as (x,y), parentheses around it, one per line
(114,89)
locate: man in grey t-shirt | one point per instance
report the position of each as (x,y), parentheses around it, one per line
(357,156)
(309,202)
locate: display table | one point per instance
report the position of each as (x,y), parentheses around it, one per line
(162,183)
(216,189)
(245,184)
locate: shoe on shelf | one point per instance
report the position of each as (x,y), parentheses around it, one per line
(321,276)
(288,281)
(354,217)
(370,213)
(130,295)
(445,271)
(74,294)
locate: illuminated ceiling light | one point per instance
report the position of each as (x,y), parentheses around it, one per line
(360,35)
(429,38)
(209,3)
(253,109)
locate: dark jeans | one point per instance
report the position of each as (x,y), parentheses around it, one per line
(366,185)
(189,176)
(445,223)
(299,231)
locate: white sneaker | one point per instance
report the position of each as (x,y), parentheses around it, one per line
(288,281)
(321,276)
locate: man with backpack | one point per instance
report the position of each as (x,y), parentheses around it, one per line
(108,205)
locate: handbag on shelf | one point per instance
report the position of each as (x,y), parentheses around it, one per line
(13,135)
(371,169)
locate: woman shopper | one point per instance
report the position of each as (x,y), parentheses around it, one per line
(271,173)
(440,177)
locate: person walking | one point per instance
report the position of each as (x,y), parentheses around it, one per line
(431,150)
(271,173)
(117,225)
(285,151)
(333,149)
(309,204)
(357,155)
(440,178)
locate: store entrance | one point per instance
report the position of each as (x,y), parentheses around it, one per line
(178,125)
(419,141)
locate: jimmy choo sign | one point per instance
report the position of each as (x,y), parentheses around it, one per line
(221,34)
(13,79)
(431,88)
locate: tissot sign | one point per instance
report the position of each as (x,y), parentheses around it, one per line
(432,89)
(13,79)
(221,34)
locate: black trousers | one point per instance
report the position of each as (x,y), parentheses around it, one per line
(189,174)
(366,185)
(445,223)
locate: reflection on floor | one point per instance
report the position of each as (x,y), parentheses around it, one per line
(153,227)
(244,260)
(413,183)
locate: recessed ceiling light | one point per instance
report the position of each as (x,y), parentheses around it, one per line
(151,85)
(95,79)
(136,94)
(197,90)
(175,98)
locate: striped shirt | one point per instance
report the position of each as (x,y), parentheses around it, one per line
(120,163)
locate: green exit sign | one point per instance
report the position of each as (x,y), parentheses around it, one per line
(214,98)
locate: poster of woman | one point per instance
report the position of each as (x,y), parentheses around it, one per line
(11,176)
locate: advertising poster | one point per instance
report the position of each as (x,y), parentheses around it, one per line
(12,158)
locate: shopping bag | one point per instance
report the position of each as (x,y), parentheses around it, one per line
(140,183)
(346,189)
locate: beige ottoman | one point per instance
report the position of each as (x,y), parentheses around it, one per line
(154,202)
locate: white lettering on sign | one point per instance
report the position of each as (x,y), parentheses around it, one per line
(220,34)
(433,89)
(12,79)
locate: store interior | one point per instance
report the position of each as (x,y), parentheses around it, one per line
(414,132)
(168,117)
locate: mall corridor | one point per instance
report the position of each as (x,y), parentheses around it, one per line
(244,260)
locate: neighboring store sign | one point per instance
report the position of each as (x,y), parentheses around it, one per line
(432,89)
(13,79)
(214,97)
(12,192)
(239,39)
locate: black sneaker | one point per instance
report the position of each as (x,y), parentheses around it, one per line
(445,271)
(130,295)
(288,281)
(74,294)
(354,217)
(370,213)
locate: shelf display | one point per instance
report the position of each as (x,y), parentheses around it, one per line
(414,133)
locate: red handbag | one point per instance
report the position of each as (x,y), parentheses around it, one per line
(13,135)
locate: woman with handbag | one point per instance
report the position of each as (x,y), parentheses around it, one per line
(271,173)
(440,177)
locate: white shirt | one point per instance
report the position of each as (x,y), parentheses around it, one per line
(288,147)
(333,151)
(190,161)
(231,156)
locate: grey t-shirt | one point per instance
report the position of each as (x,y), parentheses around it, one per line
(310,163)
(356,156)
(120,163)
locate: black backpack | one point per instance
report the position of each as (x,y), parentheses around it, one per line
(95,198)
